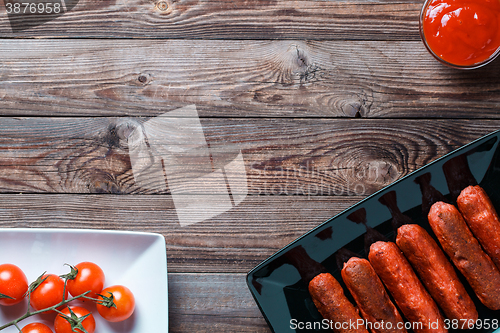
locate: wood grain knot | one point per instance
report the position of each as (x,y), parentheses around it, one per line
(362,169)
(162,6)
(144,79)
(118,132)
(353,108)
(293,65)
(165,7)
(356,106)
(105,186)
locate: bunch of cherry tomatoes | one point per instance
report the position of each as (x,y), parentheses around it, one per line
(51,293)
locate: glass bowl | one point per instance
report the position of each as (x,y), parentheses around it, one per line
(438,57)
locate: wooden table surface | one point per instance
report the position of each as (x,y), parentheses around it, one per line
(327,100)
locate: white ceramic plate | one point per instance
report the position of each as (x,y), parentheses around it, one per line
(136,260)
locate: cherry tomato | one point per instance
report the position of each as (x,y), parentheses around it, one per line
(48,293)
(13,284)
(124,301)
(89,277)
(62,325)
(36,328)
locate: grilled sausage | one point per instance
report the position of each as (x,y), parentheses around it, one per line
(466,253)
(436,272)
(328,296)
(408,292)
(370,296)
(482,219)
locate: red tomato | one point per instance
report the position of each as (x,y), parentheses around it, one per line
(62,325)
(48,293)
(89,277)
(124,301)
(36,328)
(13,284)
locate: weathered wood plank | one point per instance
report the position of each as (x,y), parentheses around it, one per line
(228,19)
(282,78)
(280,156)
(235,241)
(223,300)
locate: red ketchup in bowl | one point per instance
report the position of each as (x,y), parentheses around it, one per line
(461,33)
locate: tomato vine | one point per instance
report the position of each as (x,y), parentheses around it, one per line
(72,319)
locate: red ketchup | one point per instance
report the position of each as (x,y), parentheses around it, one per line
(462,33)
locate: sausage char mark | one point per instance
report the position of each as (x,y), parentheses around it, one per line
(331,302)
(436,272)
(482,219)
(371,297)
(466,253)
(408,292)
